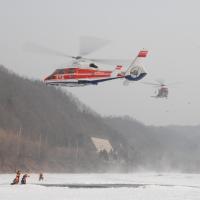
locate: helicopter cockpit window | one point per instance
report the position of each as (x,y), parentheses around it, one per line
(93,65)
(59,71)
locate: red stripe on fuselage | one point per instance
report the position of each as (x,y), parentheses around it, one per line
(83,74)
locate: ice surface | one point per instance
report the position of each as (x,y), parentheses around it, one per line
(155,187)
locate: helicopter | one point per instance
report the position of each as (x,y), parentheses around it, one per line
(162,91)
(85,71)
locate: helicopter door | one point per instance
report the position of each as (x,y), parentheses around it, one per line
(71,73)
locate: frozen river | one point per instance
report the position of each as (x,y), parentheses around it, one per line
(140,186)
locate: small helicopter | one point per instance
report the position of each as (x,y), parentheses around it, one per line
(84,71)
(163,90)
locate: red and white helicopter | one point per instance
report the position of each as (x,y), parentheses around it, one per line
(162,87)
(84,71)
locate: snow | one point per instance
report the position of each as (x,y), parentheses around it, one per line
(166,186)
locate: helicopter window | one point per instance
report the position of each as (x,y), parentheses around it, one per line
(59,71)
(93,65)
(71,71)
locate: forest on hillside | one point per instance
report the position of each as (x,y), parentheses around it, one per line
(46,128)
(168,148)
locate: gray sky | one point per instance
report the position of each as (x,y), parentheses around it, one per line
(169,29)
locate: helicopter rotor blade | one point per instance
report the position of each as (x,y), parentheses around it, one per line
(87,46)
(90,44)
(35,48)
(173,83)
(160,81)
(153,84)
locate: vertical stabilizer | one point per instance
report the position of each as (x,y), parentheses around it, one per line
(136,71)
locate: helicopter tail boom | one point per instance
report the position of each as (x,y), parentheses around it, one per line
(117,70)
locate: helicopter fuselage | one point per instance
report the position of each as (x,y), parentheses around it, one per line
(83,73)
(162,92)
(72,77)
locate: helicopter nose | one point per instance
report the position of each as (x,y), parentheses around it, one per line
(49,78)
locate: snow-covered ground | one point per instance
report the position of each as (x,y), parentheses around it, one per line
(153,186)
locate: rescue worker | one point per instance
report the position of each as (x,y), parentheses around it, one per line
(16,180)
(23,181)
(41,177)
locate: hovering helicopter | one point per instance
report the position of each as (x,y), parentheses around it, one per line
(84,71)
(162,89)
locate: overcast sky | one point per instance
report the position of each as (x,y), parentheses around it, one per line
(170,30)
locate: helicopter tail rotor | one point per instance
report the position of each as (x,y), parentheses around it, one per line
(136,71)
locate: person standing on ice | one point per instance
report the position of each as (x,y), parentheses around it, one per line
(16,180)
(41,177)
(23,181)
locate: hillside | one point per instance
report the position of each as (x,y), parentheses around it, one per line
(45,128)
(175,148)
